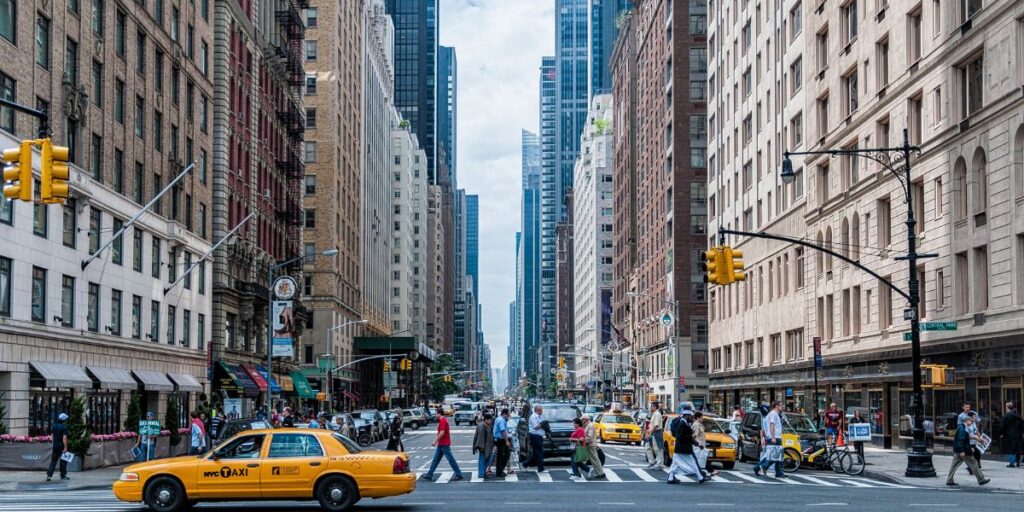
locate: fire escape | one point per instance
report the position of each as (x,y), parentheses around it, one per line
(290,115)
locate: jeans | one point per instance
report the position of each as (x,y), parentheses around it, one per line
(503,455)
(445,451)
(144,455)
(537,456)
(575,467)
(766,463)
(54,459)
(1011,459)
(483,462)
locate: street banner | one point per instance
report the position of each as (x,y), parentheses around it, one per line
(819,361)
(284,328)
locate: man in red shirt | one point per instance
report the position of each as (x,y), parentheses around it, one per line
(443,446)
(833,422)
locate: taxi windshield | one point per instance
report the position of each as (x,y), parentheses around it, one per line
(799,423)
(712,426)
(350,445)
(593,408)
(618,419)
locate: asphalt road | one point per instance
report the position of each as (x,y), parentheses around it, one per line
(630,485)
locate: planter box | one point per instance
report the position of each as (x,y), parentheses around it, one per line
(36,456)
(25,456)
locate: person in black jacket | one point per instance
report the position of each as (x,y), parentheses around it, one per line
(684,462)
(962,454)
(1011,430)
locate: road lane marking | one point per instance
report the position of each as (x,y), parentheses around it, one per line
(828,504)
(613,503)
(511,477)
(856,483)
(522,503)
(645,476)
(744,476)
(814,480)
(475,478)
(422,503)
(612,477)
(445,477)
(544,477)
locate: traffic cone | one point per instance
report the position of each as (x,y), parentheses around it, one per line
(842,441)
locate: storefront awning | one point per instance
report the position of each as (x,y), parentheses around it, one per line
(302,387)
(58,375)
(274,387)
(256,377)
(249,388)
(153,381)
(224,378)
(186,382)
(112,378)
(351,396)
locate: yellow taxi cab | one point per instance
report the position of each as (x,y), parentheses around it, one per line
(721,445)
(287,464)
(616,426)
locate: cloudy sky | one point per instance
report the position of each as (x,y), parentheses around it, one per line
(498,44)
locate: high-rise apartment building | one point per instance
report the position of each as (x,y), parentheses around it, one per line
(408,246)
(602,25)
(669,126)
(473,240)
(416,71)
(85,313)
(540,349)
(564,309)
(592,246)
(333,160)
(528,261)
(447,107)
(937,70)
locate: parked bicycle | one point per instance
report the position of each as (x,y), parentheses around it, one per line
(823,455)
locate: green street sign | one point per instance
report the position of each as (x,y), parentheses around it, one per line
(149,428)
(907,337)
(938,326)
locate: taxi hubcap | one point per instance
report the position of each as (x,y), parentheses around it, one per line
(337,494)
(164,496)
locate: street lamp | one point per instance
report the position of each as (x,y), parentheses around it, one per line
(919,459)
(329,377)
(271,271)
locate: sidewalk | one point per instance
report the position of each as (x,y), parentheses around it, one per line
(103,478)
(890,465)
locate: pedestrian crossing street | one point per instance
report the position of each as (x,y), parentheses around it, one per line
(622,474)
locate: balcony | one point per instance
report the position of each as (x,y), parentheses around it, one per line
(292,120)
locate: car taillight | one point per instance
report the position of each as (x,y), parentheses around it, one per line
(399,466)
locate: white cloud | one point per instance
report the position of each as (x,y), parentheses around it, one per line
(498,45)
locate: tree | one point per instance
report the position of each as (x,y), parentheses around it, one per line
(444,364)
(173,415)
(133,415)
(79,435)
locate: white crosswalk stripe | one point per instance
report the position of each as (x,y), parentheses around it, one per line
(645,476)
(612,475)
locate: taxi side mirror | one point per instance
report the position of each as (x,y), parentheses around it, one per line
(215,455)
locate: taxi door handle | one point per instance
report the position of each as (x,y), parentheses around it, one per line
(252,465)
(314,464)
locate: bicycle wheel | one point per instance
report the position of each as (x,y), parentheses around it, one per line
(856,466)
(841,462)
(791,460)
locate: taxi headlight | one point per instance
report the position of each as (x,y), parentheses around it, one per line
(729,445)
(129,477)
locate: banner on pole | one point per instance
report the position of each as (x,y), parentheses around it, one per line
(284,328)
(819,361)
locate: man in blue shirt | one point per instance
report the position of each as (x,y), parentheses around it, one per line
(59,431)
(502,441)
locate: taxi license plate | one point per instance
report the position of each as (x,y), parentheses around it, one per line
(623,436)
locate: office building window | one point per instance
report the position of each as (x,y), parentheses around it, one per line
(136,317)
(38,294)
(67,301)
(115,312)
(43,41)
(5,283)
(117,248)
(93,305)
(154,321)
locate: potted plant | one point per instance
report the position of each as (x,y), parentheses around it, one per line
(79,435)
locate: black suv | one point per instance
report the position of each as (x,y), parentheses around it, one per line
(792,423)
(558,417)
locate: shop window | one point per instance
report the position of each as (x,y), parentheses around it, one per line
(103,412)
(44,406)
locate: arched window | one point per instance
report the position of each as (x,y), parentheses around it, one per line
(819,261)
(844,239)
(855,237)
(979,182)
(828,245)
(960,188)
(1018,161)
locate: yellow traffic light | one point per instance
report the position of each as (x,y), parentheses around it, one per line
(561,362)
(734,263)
(714,266)
(405,364)
(18,171)
(387,366)
(55,173)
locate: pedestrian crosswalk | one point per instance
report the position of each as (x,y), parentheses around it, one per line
(634,475)
(100,500)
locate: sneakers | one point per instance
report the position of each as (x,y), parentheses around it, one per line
(985,481)
(456,478)
(672,481)
(951,484)
(49,478)
(757,471)
(652,465)
(602,476)
(575,478)
(64,478)
(427,477)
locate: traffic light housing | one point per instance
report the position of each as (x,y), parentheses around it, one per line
(561,362)
(18,171)
(714,266)
(55,173)
(387,366)
(734,265)
(405,365)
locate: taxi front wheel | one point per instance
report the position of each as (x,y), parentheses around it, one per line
(336,494)
(165,494)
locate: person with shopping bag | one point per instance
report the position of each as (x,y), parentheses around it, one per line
(580,453)
(771,433)
(700,440)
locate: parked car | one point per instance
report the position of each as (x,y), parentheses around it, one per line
(233,427)
(380,430)
(414,418)
(432,414)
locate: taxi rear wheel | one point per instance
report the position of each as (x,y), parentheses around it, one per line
(336,494)
(165,494)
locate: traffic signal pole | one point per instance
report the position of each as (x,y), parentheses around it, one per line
(43,115)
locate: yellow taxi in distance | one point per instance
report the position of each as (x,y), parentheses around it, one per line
(615,426)
(721,445)
(287,464)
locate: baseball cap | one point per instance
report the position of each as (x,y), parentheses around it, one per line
(687,412)
(151,414)
(62,417)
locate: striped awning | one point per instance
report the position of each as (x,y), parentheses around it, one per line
(113,378)
(58,375)
(186,382)
(153,381)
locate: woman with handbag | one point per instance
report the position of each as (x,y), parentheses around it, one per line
(581,453)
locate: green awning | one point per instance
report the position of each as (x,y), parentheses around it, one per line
(395,343)
(302,387)
(224,377)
